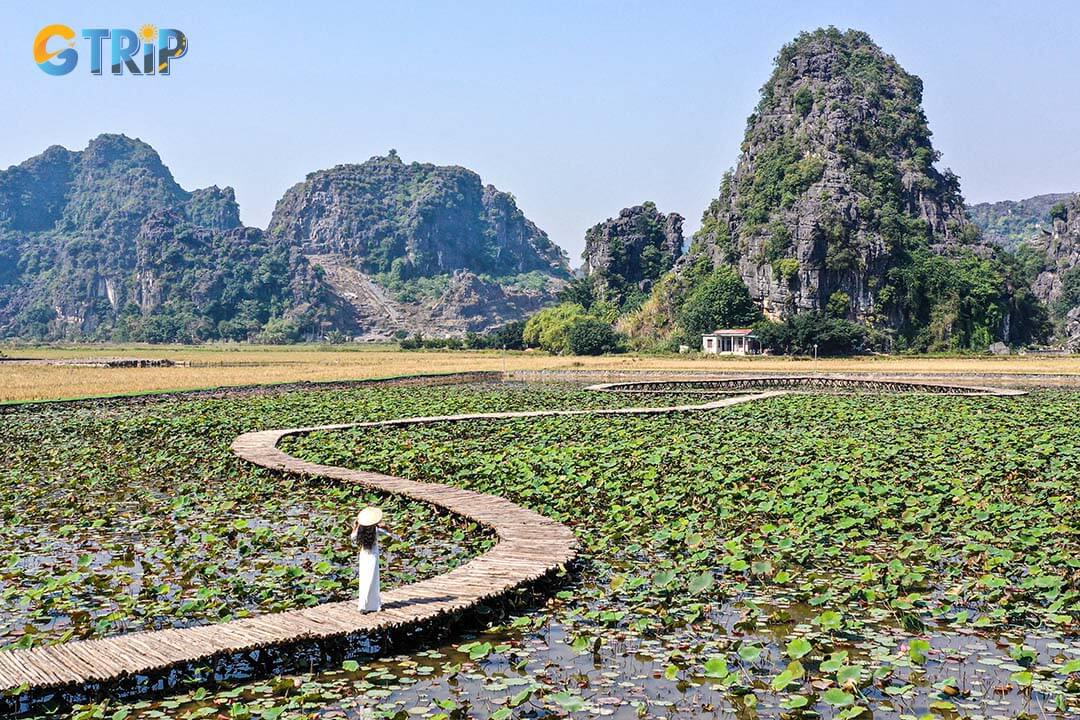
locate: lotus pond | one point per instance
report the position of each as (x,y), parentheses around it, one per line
(121,516)
(802,556)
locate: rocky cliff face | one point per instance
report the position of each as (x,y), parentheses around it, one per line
(420,248)
(1009,223)
(444,305)
(213,208)
(413,220)
(1060,244)
(836,207)
(835,181)
(1072,330)
(1058,282)
(219,271)
(104,244)
(471,303)
(625,255)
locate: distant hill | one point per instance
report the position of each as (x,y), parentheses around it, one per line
(420,247)
(103,244)
(1010,222)
(413,220)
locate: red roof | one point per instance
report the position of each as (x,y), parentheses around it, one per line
(733,331)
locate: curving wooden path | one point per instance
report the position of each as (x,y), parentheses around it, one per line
(529,547)
(798,383)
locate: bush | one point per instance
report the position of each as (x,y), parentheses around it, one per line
(721,300)
(799,334)
(779,242)
(1070,292)
(1059,212)
(605,310)
(278,331)
(804,101)
(164,328)
(592,336)
(579,291)
(787,269)
(839,305)
(567,328)
(549,328)
(507,337)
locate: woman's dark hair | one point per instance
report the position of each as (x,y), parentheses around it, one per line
(366,535)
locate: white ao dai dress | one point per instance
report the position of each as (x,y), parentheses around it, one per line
(369,577)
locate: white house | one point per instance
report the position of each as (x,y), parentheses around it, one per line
(738,341)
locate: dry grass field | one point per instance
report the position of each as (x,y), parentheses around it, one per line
(223,365)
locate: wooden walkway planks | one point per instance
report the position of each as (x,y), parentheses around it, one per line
(797,383)
(530,546)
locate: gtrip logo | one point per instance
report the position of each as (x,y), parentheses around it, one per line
(150,51)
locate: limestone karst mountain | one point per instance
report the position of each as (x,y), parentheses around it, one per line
(413,220)
(836,206)
(836,174)
(104,244)
(420,247)
(1008,223)
(625,255)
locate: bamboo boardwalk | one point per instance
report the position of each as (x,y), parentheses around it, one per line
(529,547)
(798,383)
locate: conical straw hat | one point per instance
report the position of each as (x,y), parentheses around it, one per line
(369,516)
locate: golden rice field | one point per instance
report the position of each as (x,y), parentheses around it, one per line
(224,365)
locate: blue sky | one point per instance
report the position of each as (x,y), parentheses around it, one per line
(578,108)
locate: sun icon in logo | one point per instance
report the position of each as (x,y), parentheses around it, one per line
(148,33)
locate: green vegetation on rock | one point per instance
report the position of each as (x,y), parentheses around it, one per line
(413,220)
(1070,292)
(103,244)
(813,333)
(624,256)
(592,336)
(836,195)
(1011,223)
